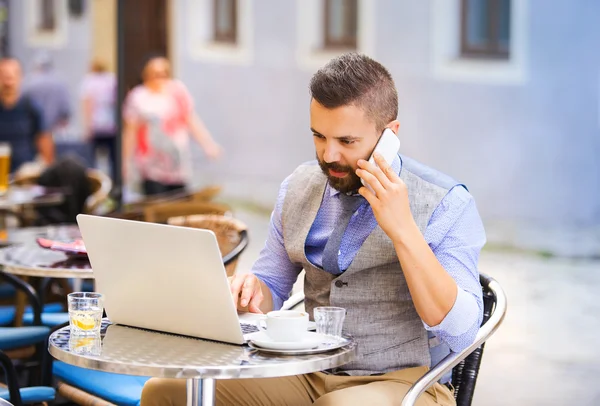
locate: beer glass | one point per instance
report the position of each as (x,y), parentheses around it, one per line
(4,166)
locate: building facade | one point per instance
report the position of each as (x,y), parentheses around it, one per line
(500,94)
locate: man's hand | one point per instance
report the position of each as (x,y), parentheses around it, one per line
(390,204)
(246,291)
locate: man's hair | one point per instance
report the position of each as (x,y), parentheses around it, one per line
(355,79)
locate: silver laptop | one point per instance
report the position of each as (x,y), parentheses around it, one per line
(162,277)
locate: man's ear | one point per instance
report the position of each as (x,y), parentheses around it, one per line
(394,126)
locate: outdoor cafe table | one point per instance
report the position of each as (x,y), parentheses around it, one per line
(30,195)
(20,197)
(28,235)
(29,259)
(132,351)
(32,260)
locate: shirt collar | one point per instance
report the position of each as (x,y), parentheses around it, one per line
(396,166)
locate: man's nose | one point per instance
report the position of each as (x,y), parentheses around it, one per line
(331,153)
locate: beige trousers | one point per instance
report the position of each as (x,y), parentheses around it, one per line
(310,389)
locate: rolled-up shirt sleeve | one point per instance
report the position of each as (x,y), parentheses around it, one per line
(273,265)
(456,236)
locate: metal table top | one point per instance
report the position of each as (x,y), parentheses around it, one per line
(30,195)
(32,260)
(27,235)
(132,351)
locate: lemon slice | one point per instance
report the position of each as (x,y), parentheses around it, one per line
(84,324)
(84,342)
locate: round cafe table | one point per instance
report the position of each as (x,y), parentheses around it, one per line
(28,235)
(132,351)
(21,198)
(30,195)
(26,258)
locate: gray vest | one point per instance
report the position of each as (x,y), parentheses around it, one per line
(380,315)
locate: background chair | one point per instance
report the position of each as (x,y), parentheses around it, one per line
(21,343)
(100,186)
(135,210)
(232,235)
(160,213)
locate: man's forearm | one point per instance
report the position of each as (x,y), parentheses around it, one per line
(432,289)
(45,146)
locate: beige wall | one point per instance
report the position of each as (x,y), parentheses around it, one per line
(104,42)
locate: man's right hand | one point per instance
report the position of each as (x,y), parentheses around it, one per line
(246,290)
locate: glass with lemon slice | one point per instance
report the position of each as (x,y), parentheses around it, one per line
(85,312)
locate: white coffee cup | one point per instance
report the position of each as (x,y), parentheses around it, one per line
(285,325)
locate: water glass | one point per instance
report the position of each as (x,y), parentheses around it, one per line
(85,312)
(330,320)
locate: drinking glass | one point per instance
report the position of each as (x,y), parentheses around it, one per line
(85,312)
(5,152)
(330,320)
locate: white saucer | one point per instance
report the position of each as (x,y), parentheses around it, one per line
(261,339)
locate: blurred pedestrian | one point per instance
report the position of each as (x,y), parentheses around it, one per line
(21,120)
(98,96)
(158,119)
(49,90)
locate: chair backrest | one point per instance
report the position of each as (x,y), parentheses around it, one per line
(465,364)
(207,193)
(231,233)
(100,184)
(464,375)
(135,210)
(160,213)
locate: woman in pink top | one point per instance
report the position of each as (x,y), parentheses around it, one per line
(158,118)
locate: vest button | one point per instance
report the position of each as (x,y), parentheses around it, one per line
(339,284)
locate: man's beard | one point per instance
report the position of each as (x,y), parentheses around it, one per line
(349,183)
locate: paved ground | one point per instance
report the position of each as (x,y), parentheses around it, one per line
(546,352)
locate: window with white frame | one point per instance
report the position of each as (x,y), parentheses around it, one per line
(220,30)
(328,28)
(340,24)
(225,21)
(485,28)
(480,40)
(47,13)
(46,22)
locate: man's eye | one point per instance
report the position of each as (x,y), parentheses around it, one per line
(347,142)
(318,135)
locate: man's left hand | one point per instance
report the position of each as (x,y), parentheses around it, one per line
(390,202)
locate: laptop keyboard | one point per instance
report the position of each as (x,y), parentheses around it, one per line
(248,328)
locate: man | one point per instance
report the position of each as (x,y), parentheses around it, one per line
(49,90)
(403,261)
(21,121)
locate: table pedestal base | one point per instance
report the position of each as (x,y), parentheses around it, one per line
(201,392)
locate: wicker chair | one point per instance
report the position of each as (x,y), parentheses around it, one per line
(100,186)
(160,213)
(465,364)
(232,235)
(135,210)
